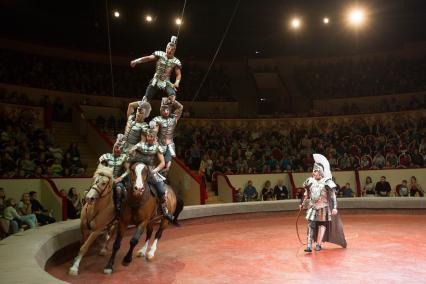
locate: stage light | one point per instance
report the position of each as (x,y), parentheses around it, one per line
(148,18)
(296,23)
(178,21)
(326,20)
(356,17)
(116,14)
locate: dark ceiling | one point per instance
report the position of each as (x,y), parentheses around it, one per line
(258,26)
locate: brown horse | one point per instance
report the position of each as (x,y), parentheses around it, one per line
(97,215)
(142,209)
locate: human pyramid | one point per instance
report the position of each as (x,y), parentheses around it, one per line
(148,143)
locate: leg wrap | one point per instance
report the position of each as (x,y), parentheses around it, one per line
(321,231)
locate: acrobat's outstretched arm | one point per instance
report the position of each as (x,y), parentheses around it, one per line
(144,59)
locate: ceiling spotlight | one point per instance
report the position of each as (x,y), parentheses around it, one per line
(326,20)
(148,18)
(178,21)
(296,23)
(116,14)
(356,17)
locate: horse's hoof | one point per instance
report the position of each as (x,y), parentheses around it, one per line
(108,271)
(140,254)
(73,271)
(103,252)
(126,261)
(150,257)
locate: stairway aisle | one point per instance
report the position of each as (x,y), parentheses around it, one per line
(65,135)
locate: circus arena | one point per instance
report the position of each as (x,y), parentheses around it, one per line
(184,141)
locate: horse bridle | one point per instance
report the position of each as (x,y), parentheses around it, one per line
(96,187)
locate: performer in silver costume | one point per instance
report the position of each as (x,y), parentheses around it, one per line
(117,161)
(166,62)
(165,125)
(136,127)
(151,154)
(320,199)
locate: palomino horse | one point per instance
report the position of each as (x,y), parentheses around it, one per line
(97,215)
(142,209)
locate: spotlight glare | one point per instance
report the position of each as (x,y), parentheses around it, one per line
(296,23)
(326,20)
(116,14)
(178,21)
(356,17)
(148,18)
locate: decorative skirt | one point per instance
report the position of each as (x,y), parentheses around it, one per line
(320,214)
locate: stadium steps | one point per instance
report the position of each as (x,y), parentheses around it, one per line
(64,135)
(212,197)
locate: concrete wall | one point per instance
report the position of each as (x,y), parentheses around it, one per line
(184,184)
(33,248)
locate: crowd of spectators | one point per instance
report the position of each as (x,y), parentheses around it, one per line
(28,213)
(95,78)
(363,77)
(29,151)
(398,142)
(381,188)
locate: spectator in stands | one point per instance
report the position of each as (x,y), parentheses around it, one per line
(74,204)
(42,214)
(267,192)
(403,188)
(2,200)
(415,187)
(404,160)
(56,169)
(338,191)
(250,192)
(73,150)
(239,196)
(10,214)
(206,167)
(369,188)
(24,209)
(27,166)
(378,161)
(347,190)
(383,187)
(280,191)
(416,159)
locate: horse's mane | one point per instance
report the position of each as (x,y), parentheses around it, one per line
(103,171)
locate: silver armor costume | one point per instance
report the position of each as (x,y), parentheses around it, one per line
(166,131)
(163,69)
(147,154)
(116,163)
(318,207)
(134,131)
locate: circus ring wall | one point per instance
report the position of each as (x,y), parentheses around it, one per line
(30,250)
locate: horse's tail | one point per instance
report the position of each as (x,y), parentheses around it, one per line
(171,199)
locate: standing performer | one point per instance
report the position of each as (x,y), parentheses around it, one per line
(165,126)
(151,154)
(117,162)
(166,62)
(320,198)
(136,127)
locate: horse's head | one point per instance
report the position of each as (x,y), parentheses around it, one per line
(139,175)
(102,184)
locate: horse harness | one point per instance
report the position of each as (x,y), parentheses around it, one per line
(96,188)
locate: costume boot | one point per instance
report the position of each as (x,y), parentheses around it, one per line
(165,209)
